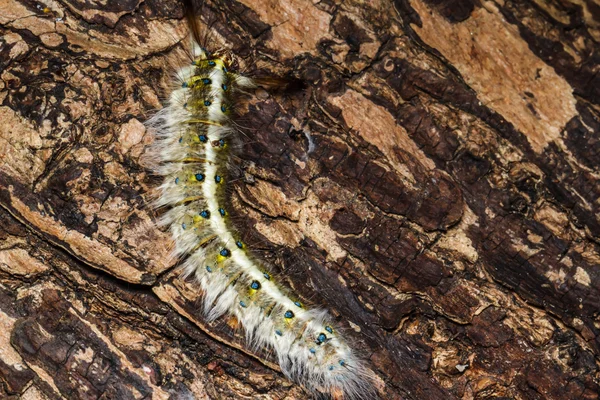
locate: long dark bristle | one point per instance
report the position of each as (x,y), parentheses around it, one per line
(275,83)
(190,12)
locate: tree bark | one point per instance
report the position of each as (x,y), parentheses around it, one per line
(434,184)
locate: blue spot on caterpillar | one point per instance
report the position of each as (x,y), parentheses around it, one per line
(225,253)
(303,339)
(321,338)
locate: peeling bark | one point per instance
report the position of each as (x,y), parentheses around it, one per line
(435,185)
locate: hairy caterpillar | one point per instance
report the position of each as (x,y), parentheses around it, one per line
(194,140)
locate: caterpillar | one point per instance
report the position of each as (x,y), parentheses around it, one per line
(195,136)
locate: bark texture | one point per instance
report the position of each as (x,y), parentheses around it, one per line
(435,184)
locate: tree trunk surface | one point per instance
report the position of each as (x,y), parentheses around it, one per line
(434,184)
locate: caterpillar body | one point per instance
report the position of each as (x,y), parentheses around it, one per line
(194,138)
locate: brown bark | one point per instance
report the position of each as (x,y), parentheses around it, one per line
(448,214)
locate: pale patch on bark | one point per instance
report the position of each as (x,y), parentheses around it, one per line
(131,134)
(582,276)
(314,223)
(377,126)
(297,26)
(86,355)
(280,232)
(7,353)
(273,202)
(312,215)
(51,39)
(11,10)
(83,155)
(78,244)
(457,241)
(530,323)
(18,262)
(521,247)
(18,140)
(161,34)
(556,277)
(33,393)
(553,219)
(508,77)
